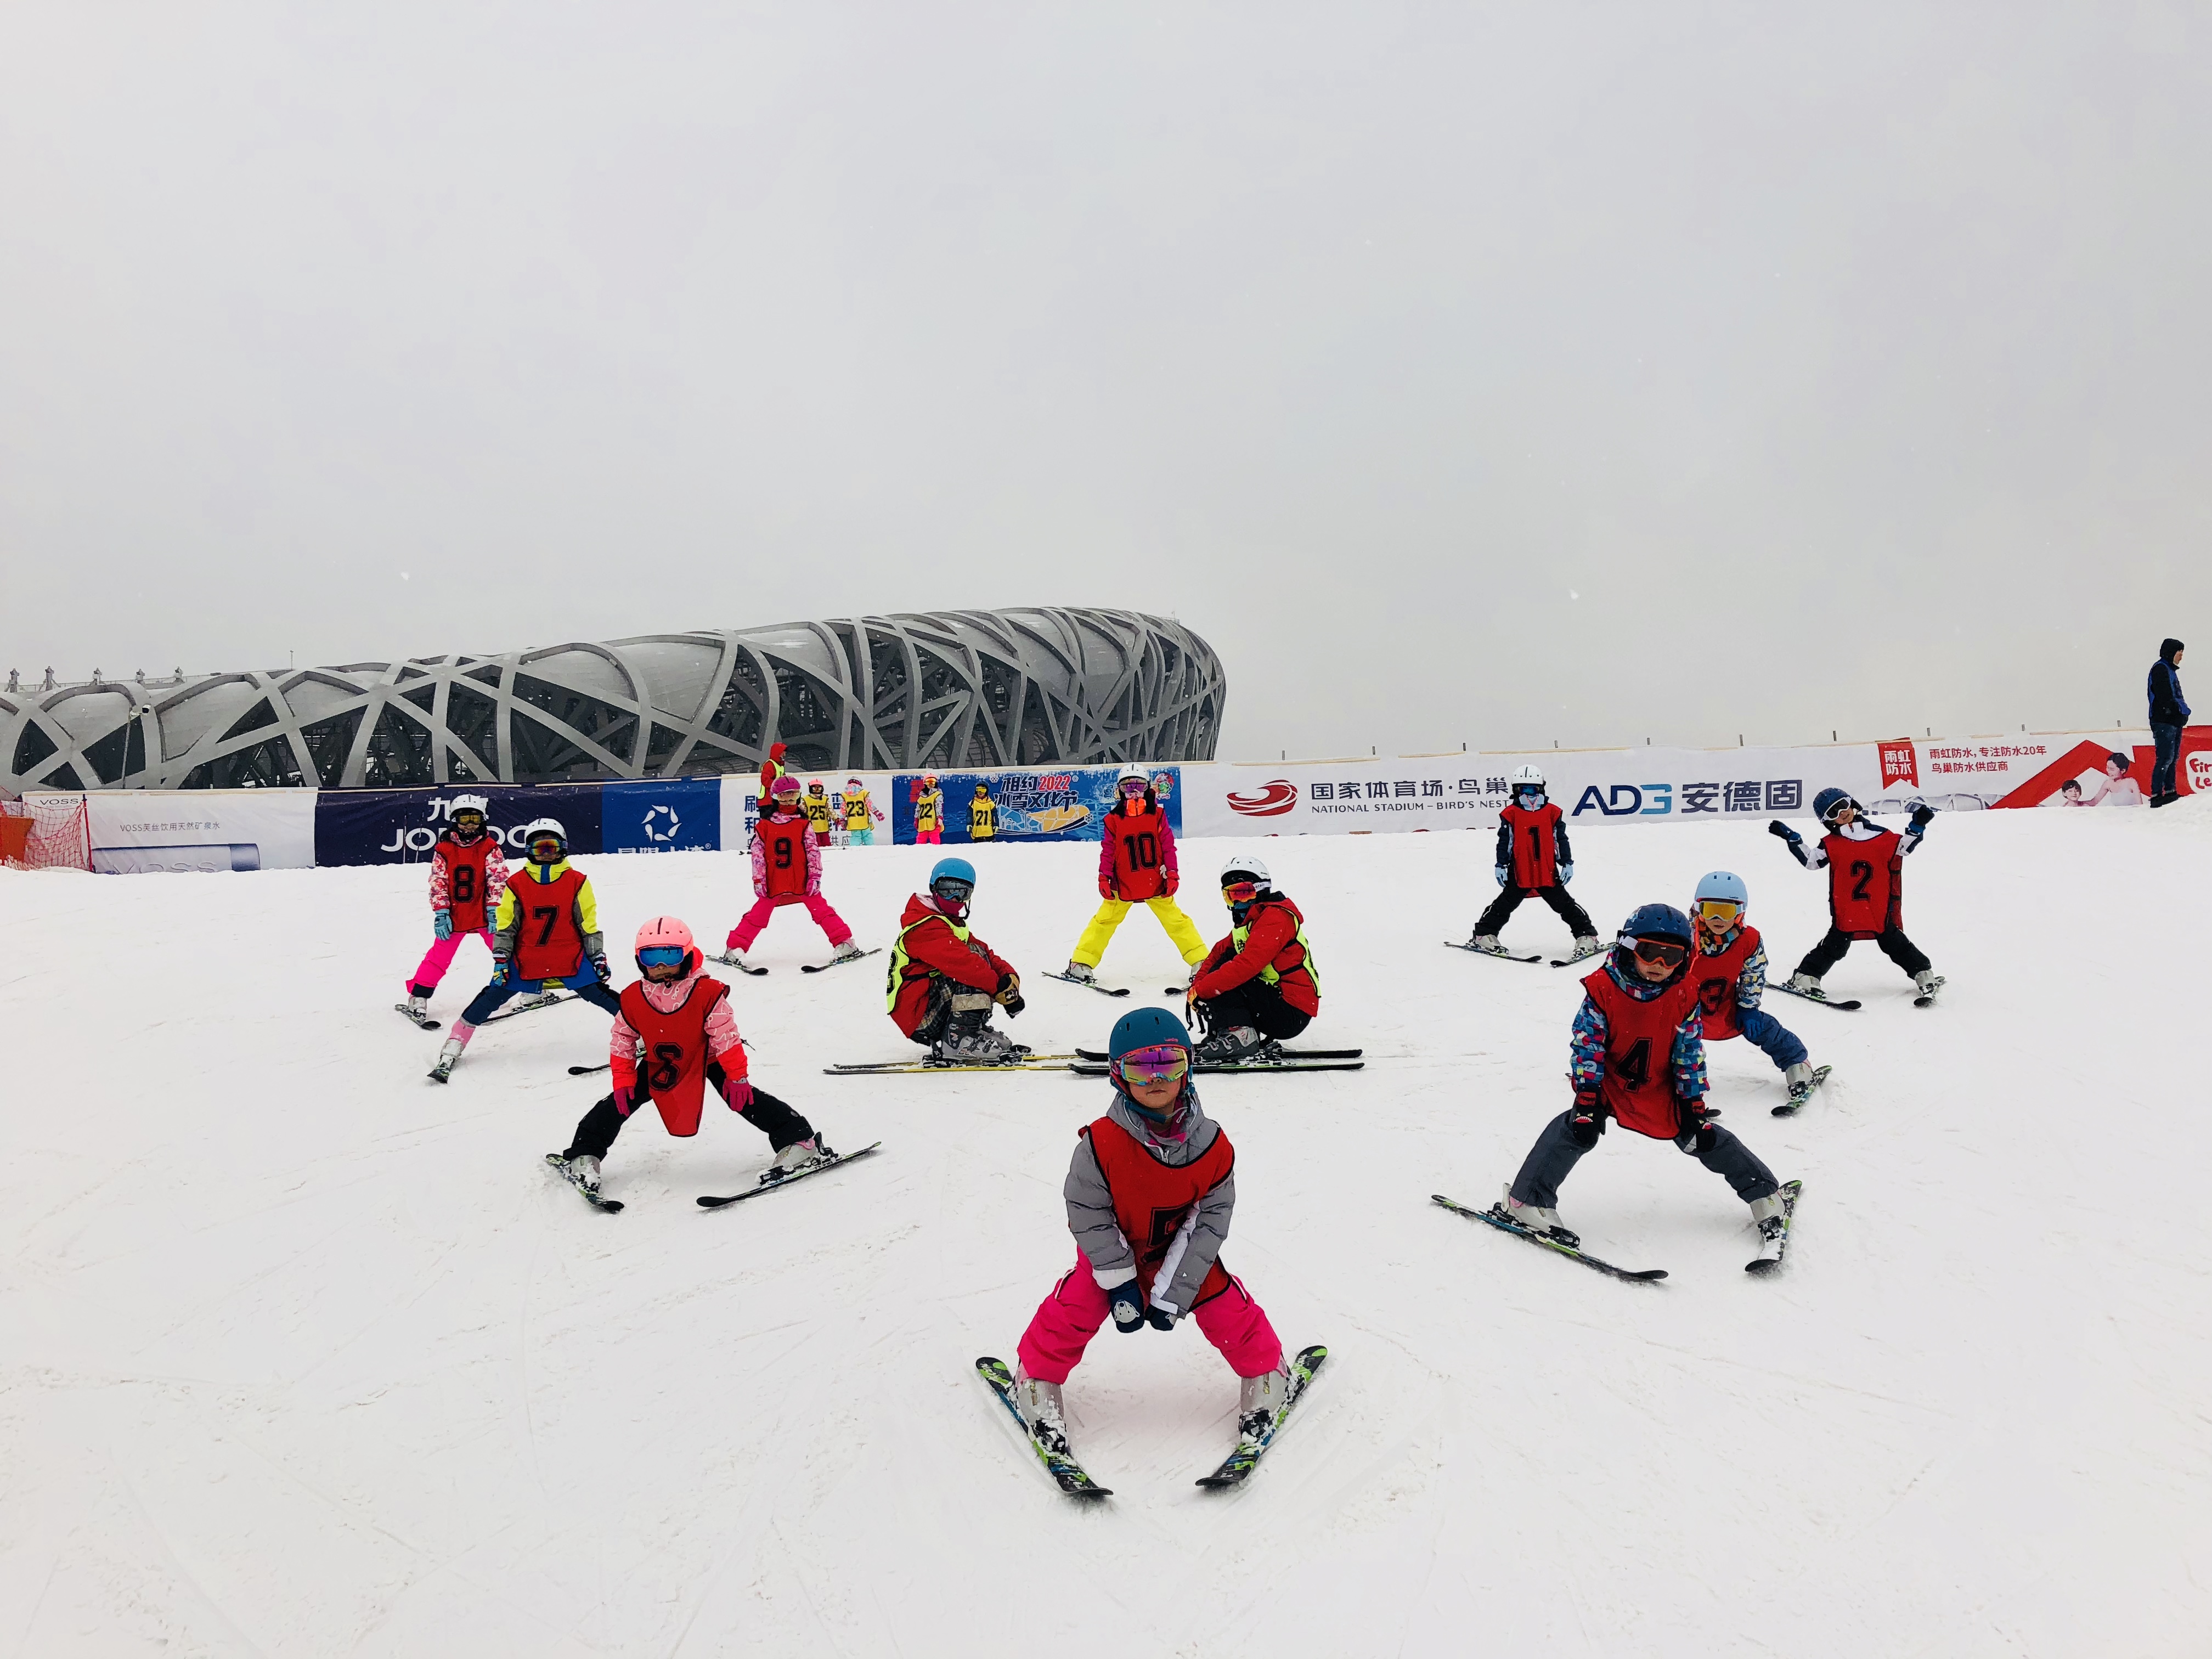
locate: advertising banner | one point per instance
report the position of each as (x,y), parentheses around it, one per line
(740,796)
(137,832)
(679,815)
(1063,804)
(400,826)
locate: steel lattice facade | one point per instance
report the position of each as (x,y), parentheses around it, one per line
(955,689)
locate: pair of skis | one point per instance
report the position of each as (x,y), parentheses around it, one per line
(1115,990)
(614,1205)
(1072,1479)
(1094,1062)
(728,959)
(1846,1005)
(1502,955)
(527,1005)
(1765,1263)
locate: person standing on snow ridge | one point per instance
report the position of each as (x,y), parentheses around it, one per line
(1257,986)
(786,859)
(1150,1194)
(1638,1056)
(1866,888)
(860,815)
(547,931)
(468,872)
(943,979)
(1137,865)
(1532,859)
(1729,969)
(929,813)
(673,1039)
(2169,712)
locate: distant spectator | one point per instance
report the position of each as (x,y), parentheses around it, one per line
(2169,712)
(2118,787)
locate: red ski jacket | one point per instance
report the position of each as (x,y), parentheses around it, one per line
(1272,947)
(930,942)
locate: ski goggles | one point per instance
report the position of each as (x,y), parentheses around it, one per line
(953,890)
(1719,913)
(1528,796)
(1133,786)
(468,818)
(661,956)
(546,850)
(1240,892)
(1660,952)
(1164,1063)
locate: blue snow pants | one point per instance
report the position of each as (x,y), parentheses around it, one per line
(585,982)
(1780,1044)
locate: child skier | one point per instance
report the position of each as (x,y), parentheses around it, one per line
(1532,858)
(677,1021)
(468,872)
(816,807)
(1866,888)
(547,931)
(929,813)
(1150,1194)
(786,869)
(860,815)
(1136,866)
(943,979)
(1257,986)
(1730,972)
(1638,1058)
(983,815)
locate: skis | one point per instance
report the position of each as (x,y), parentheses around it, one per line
(1091,985)
(903,1068)
(532,1004)
(1100,1056)
(1064,1469)
(1240,1463)
(1502,955)
(781,1182)
(1287,1063)
(729,959)
(1506,1225)
(1927,999)
(611,1205)
(835,961)
(1820,997)
(1797,1099)
(1767,1264)
(586,1070)
(1573,958)
(421,1021)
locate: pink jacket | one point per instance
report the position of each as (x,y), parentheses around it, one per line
(441,897)
(760,858)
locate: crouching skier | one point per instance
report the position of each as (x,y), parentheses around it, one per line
(943,981)
(674,1038)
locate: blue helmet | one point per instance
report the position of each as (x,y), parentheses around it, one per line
(1657,922)
(953,883)
(959,869)
(1721,884)
(1826,802)
(1145,1028)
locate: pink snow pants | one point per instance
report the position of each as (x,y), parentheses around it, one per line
(1066,1320)
(743,935)
(440,956)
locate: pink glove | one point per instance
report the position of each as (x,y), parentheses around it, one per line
(625,1100)
(738,1092)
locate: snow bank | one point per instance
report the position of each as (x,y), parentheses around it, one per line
(306,1355)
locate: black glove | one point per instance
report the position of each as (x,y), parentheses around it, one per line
(1014,1004)
(1162,1319)
(1127,1305)
(599,967)
(1923,816)
(1697,1133)
(1586,1120)
(1777,828)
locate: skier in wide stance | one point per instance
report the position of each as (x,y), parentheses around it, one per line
(1730,971)
(1137,865)
(673,1039)
(1150,1194)
(1257,986)
(787,858)
(859,814)
(1533,859)
(468,872)
(547,932)
(1866,888)
(943,981)
(1638,1057)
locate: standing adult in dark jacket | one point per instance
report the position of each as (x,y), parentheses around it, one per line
(2169,712)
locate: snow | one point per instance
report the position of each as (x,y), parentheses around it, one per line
(304,1354)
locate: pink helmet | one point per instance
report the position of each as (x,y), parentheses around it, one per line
(785,785)
(668,932)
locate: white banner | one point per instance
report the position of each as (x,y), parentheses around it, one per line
(741,806)
(139,831)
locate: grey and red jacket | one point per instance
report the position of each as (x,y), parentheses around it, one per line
(1091,1204)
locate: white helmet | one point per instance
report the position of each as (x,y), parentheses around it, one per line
(1250,868)
(538,828)
(469,804)
(1527,776)
(1133,770)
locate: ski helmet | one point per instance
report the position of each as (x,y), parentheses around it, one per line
(785,785)
(665,933)
(469,804)
(853,783)
(953,883)
(815,788)
(1528,777)
(1244,869)
(1826,802)
(1657,921)
(929,780)
(1138,1036)
(539,829)
(1722,885)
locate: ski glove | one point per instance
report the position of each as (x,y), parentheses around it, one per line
(1923,816)
(1105,888)
(1567,873)
(1501,873)
(599,967)
(625,1099)
(1777,828)
(1127,1303)
(1163,1319)
(1586,1119)
(1168,884)
(1009,995)
(1698,1133)
(738,1092)
(441,923)
(503,970)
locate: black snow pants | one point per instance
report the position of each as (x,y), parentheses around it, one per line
(1892,944)
(1258,1005)
(782,1126)
(1509,899)
(1556,1153)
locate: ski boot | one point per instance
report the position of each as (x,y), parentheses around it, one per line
(1799,1080)
(732,957)
(1536,1218)
(1233,1044)
(417,1005)
(1259,1400)
(799,1155)
(971,1041)
(1487,944)
(1927,982)
(849,952)
(1042,1410)
(1767,1215)
(448,1057)
(1806,985)
(1081,973)
(583,1170)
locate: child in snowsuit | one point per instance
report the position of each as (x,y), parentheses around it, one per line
(1150,1194)
(468,872)
(1258,986)
(1638,1057)
(983,815)
(787,858)
(816,806)
(1730,971)
(860,815)
(943,981)
(673,1039)
(1137,865)
(929,813)
(546,932)
(1532,859)
(1866,888)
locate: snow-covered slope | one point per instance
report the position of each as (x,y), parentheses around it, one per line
(304,1354)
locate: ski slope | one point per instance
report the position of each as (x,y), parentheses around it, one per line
(305,1355)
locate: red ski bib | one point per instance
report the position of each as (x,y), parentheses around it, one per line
(1536,844)
(1639,1052)
(1137,853)
(1866,883)
(783,854)
(466,881)
(1715,977)
(1150,1199)
(673,1068)
(547,943)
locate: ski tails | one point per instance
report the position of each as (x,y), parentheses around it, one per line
(1506,1225)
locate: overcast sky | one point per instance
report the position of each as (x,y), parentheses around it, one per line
(1494,374)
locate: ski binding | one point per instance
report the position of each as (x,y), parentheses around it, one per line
(1240,1463)
(1091,985)
(611,1205)
(1071,1475)
(1790,1107)
(777,1183)
(1505,1224)
(1767,1264)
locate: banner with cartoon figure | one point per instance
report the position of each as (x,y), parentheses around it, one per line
(950,808)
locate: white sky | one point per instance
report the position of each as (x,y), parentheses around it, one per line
(1852,364)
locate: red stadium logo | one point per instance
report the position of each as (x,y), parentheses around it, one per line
(1278,797)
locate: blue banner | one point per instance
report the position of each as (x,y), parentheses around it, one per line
(675,815)
(400,826)
(1027,806)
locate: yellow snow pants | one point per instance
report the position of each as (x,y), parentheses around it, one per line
(1181,932)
